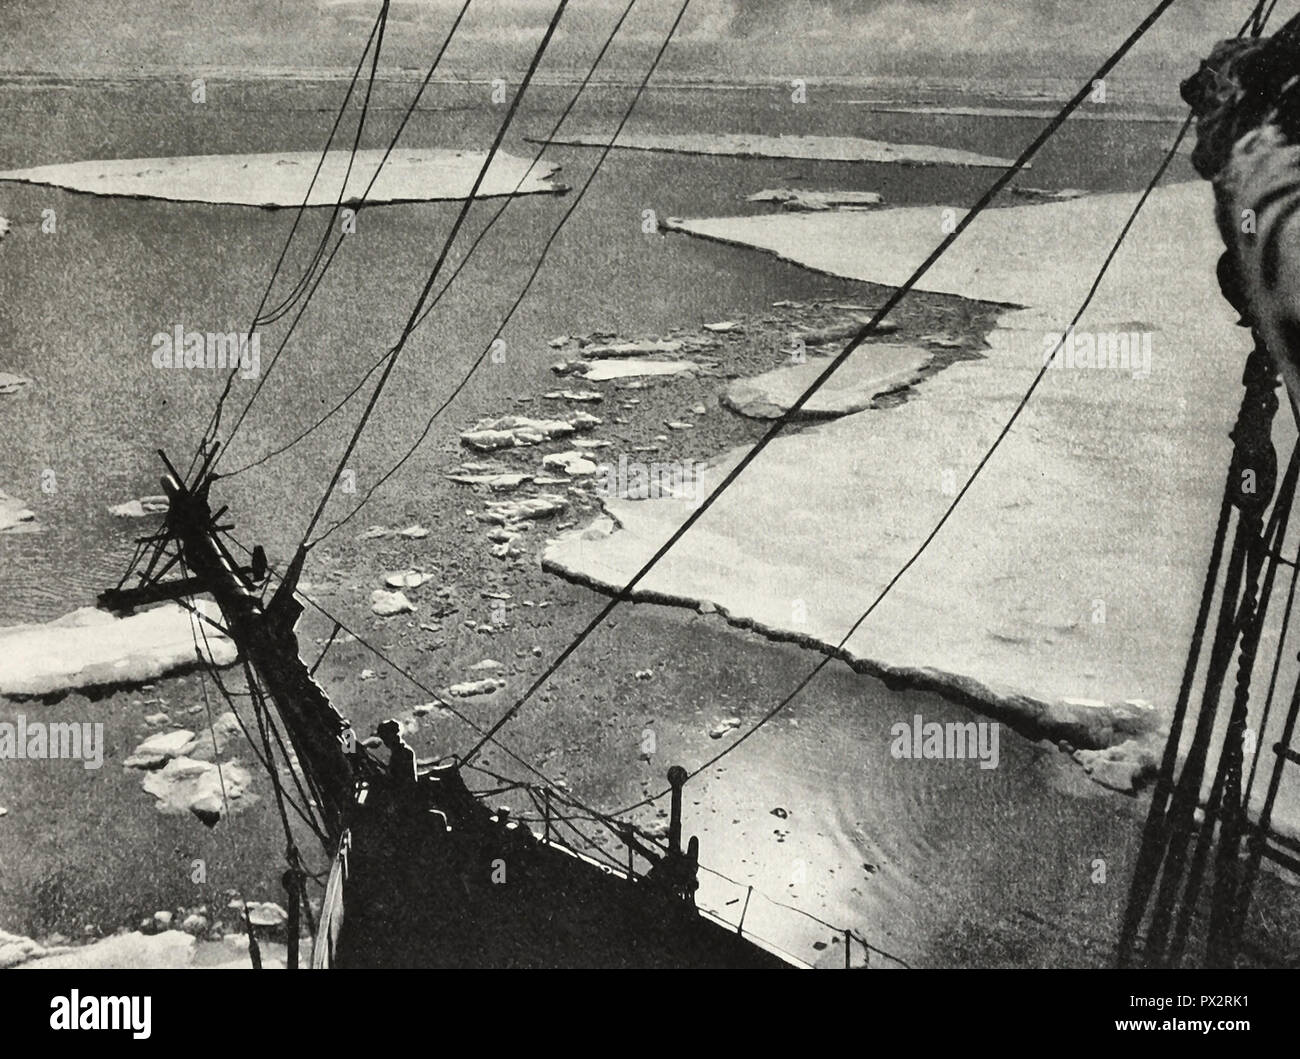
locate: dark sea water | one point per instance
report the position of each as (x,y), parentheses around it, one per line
(81,306)
(942,865)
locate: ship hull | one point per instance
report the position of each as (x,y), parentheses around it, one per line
(407,891)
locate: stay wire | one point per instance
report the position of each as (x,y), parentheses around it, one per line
(214,422)
(460,266)
(456,390)
(269,762)
(837,651)
(792,413)
(253,950)
(279,311)
(374,177)
(398,347)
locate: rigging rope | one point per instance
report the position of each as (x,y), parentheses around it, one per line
(407,674)
(396,352)
(537,267)
(265,762)
(306,279)
(979,467)
(296,292)
(214,421)
(292,854)
(254,952)
(1164,796)
(866,330)
(1251,612)
(508,200)
(297,873)
(1277,662)
(1260,18)
(792,412)
(374,177)
(558,795)
(266,723)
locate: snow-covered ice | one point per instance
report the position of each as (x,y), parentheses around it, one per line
(282,179)
(91,647)
(874,368)
(812,148)
(1072,569)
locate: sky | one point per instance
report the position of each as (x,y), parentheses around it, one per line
(718,39)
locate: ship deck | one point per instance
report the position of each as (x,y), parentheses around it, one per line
(409,890)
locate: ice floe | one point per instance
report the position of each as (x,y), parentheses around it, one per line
(11,384)
(871,370)
(409,175)
(514,431)
(161,748)
(173,948)
(506,512)
(843,331)
(165,950)
(91,647)
(267,914)
(142,508)
(16,949)
(608,370)
(182,776)
(640,348)
(407,579)
(1094,113)
(497,481)
(1049,195)
(188,785)
(387,604)
(572,463)
(818,201)
(470,688)
(813,148)
(1072,568)
(16,516)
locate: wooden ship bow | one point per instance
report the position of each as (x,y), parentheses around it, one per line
(263,634)
(422,873)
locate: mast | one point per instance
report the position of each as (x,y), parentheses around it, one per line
(1192,842)
(265,637)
